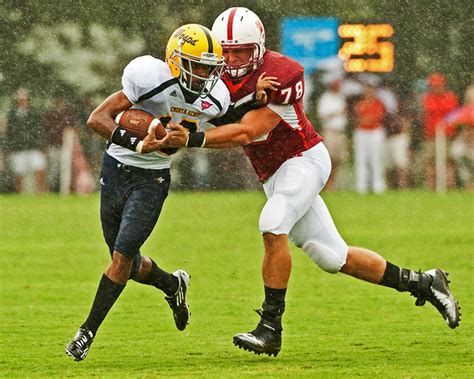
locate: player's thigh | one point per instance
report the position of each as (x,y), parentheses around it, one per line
(140,214)
(113,191)
(292,190)
(318,236)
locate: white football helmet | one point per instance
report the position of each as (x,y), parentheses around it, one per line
(240,28)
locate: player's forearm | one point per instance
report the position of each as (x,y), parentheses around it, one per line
(102,123)
(222,145)
(230,135)
(101,119)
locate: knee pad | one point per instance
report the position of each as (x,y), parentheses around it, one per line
(274,217)
(329,260)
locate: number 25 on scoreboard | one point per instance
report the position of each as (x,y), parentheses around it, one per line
(366,47)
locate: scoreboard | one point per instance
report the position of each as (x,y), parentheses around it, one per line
(362,46)
(366,47)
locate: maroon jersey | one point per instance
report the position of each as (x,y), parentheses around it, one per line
(295,133)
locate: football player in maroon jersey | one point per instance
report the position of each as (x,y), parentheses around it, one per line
(291,160)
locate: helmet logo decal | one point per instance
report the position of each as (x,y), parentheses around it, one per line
(184,38)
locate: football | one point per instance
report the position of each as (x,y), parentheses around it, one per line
(137,122)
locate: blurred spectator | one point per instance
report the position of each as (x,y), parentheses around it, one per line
(332,113)
(24,143)
(461,122)
(92,144)
(82,181)
(4,175)
(397,138)
(191,171)
(438,101)
(369,141)
(231,170)
(58,119)
(411,116)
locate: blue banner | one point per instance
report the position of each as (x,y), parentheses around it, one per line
(310,40)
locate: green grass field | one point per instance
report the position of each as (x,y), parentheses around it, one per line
(52,256)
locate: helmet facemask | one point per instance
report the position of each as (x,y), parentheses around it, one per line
(189,64)
(241,70)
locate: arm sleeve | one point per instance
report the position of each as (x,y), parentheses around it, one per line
(279,109)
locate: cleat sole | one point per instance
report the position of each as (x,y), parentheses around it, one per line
(72,355)
(242,345)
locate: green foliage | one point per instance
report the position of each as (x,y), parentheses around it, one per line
(52,256)
(429,34)
(82,59)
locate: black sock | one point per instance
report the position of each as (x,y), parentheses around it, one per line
(274,305)
(275,296)
(105,297)
(403,279)
(391,276)
(162,280)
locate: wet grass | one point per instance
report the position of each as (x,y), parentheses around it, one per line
(52,256)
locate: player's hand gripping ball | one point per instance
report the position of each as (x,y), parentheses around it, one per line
(137,122)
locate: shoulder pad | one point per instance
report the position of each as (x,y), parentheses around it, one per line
(143,74)
(221,93)
(290,75)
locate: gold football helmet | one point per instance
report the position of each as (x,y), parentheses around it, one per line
(195,57)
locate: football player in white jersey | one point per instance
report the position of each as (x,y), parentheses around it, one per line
(186,88)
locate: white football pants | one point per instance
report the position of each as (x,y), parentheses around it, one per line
(294,207)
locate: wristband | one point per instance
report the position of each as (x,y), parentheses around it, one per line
(254,104)
(139,147)
(196,139)
(123,138)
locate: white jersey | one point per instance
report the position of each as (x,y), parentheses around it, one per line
(149,85)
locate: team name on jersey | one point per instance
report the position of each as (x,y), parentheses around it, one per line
(185,111)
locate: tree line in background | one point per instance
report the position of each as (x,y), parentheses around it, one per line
(79,48)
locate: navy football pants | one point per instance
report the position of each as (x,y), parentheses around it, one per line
(131,199)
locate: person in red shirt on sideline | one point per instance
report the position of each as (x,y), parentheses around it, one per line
(461,123)
(438,102)
(291,160)
(369,142)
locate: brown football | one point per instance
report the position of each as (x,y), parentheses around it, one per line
(137,122)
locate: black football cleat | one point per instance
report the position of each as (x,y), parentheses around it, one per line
(265,339)
(78,348)
(177,301)
(439,294)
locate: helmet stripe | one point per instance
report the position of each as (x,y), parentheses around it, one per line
(230,23)
(209,39)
